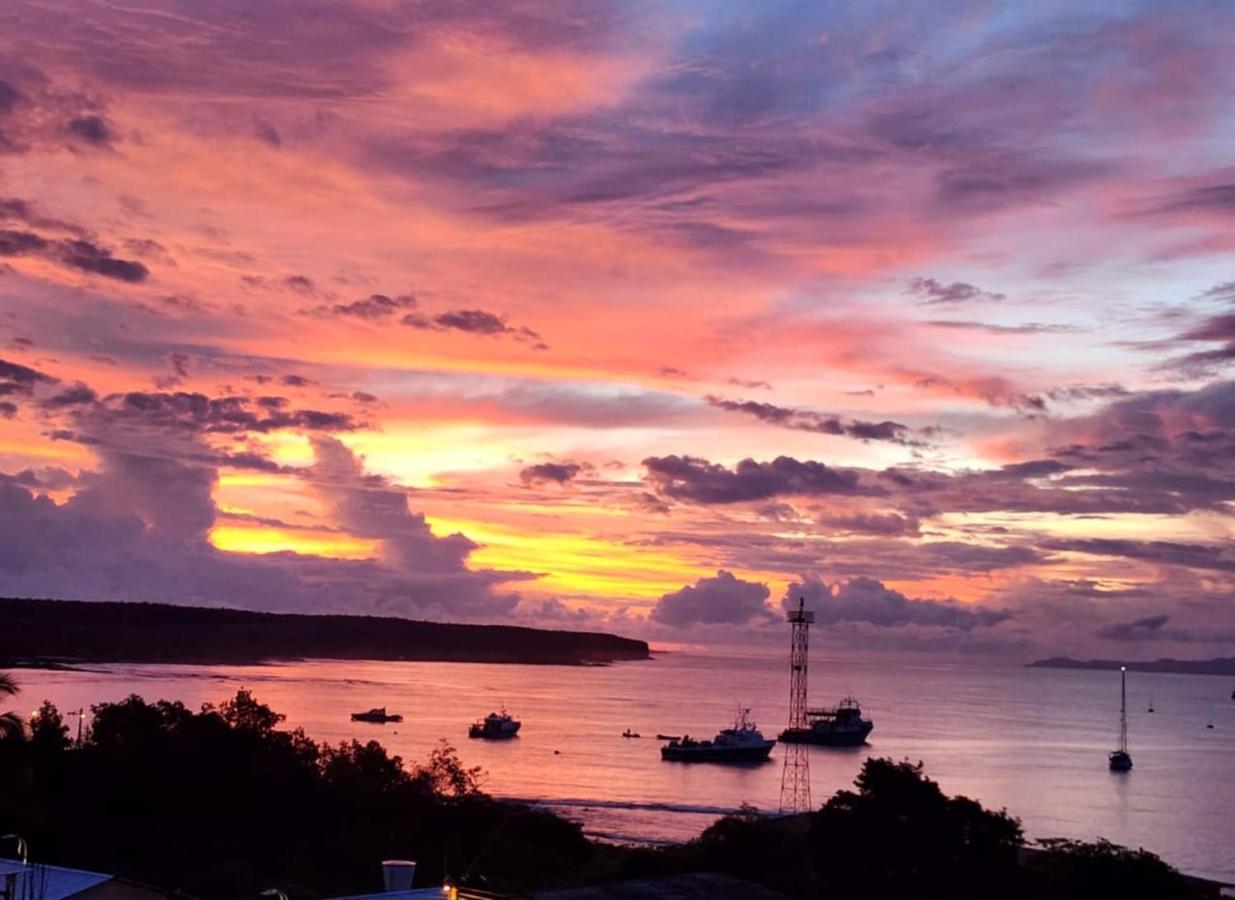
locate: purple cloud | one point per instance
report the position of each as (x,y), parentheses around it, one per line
(722,599)
(865,600)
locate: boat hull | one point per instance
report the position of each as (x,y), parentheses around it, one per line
(492,734)
(847,738)
(1120,762)
(717,754)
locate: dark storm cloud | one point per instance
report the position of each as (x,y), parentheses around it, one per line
(1008,179)
(18,379)
(1033,486)
(175,423)
(700,481)
(474,321)
(75,253)
(1154,629)
(558,473)
(155,516)
(1215,198)
(935,292)
(870,601)
(1175,440)
(1077,392)
(1148,628)
(223,414)
(75,396)
(889,524)
(9,97)
(15,209)
(993,390)
(1214,557)
(722,599)
(91,128)
(1218,329)
(374,308)
(820,423)
(1223,291)
(150,505)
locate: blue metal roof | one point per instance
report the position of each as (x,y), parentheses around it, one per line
(50,882)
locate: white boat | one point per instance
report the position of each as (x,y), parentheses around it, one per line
(741,743)
(495,726)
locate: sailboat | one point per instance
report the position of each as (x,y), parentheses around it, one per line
(1121,760)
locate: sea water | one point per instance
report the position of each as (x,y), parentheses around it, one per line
(1031,740)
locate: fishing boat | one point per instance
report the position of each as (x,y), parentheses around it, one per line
(630,734)
(741,743)
(377,714)
(668,737)
(1121,760)
(495,726)
(838,726)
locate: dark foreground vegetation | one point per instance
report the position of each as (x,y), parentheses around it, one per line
(223,803)
(43,631)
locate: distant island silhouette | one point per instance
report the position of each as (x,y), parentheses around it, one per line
(1216,666)
(49,633)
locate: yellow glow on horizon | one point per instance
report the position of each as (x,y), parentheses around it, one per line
(260,539)
(414,455)
(575,563)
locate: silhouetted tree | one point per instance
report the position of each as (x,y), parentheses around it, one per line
(898,834)
(445,773)
(48,733)
(10,722)
(749,845)
(243,712)
(223,802)
(1080,870)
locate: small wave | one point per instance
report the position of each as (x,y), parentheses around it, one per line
(628,840)
(634,805)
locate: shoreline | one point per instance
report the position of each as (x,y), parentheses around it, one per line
(86,664)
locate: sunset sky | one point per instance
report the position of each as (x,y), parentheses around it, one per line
(628,316)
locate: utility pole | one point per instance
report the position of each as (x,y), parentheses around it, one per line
(795,777)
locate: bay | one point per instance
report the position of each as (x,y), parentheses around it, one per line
(1031,740)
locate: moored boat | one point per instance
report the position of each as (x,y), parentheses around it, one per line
(377,714)
(495,726)
(838,726)
(1121,760)
(741,743)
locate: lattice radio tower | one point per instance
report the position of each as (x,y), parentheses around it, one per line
(795,777)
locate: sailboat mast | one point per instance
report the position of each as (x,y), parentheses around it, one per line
(1123,708)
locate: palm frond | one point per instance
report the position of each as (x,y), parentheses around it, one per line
(11,725)
(8,687)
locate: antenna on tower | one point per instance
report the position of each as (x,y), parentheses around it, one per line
(795,777)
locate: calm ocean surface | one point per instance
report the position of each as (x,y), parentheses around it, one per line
(1031,740)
